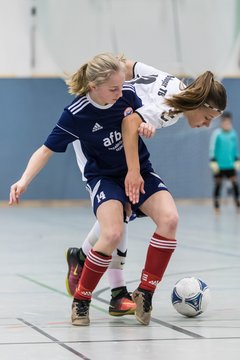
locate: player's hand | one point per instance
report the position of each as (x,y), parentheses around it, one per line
(15,191)
(214,167)
(146,130)
(134,184)
(237,165)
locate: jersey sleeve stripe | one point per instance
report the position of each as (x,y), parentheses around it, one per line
(129,87)
(67,131)
(74,104)
(79,108)
(140,115)
(79,101)
(133,70)
(79,105)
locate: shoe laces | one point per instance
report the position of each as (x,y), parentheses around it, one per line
(147,300)
(128,295)
(82,307)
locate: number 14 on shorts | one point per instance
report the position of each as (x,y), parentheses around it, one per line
(101,196)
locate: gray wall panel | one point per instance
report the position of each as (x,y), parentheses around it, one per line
(31,107)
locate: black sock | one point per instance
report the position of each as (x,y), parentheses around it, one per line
(81,256)
(119,292)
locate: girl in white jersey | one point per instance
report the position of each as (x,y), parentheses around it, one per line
(99,85)
(153,87)
(166,101)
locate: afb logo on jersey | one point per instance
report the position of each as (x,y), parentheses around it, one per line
(128,111)
(114,141)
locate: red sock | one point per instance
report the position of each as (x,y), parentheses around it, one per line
(159,253)
(94,267)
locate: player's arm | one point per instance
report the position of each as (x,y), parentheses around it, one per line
(135,68)
(37,161)
(134,183)
(129,65)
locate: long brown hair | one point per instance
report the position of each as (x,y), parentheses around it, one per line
(204,90)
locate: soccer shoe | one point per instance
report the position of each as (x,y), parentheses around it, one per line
(143,300)
(80,312)
(74,270)
(122,306)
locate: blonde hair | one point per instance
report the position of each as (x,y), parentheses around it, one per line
(205,90)
(97,71)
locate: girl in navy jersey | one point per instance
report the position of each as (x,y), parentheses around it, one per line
(154,87)
(95,120)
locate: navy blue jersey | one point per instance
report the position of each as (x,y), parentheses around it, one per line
(98,129)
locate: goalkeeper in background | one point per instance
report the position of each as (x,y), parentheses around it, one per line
(224,159)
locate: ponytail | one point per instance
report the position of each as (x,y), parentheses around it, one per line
(98,70)
(205,90)
(77,83)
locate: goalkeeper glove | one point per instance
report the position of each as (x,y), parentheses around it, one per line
(237,165)
(214,167)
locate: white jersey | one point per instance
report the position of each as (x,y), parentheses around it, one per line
(153,86)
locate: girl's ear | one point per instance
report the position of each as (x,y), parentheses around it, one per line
(92,85)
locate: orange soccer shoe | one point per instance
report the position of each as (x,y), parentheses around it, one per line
(122,305)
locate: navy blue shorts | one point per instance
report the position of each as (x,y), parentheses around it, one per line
(102,189)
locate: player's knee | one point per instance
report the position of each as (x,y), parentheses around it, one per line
(113,235)
(173,220)
(170,220)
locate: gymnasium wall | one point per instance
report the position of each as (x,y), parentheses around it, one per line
(31,107)
(43,40)
(49,37)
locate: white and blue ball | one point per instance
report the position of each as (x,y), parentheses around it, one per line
(190,296)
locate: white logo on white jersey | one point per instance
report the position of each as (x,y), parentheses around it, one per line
(97,127)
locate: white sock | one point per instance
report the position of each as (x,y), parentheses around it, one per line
(91,238)
(115,271)
(115,278)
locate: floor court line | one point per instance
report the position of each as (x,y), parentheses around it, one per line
(54,340)
(28,278)
(96,297)
(213,255)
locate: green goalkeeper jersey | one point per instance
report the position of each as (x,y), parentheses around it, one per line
(224,148)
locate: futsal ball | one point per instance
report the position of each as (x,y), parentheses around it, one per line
(190,296)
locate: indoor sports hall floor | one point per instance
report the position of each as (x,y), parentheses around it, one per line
(35,309)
